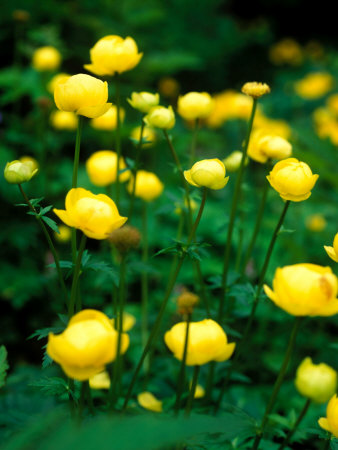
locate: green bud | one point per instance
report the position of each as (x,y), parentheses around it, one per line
(17,172)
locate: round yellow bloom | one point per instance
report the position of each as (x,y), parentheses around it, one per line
(160,117)
(333,251)
(95,215)
(108,120)
(233,161)
(148,186)
(286,51)
(315,222)
(330,422)
(58,78)
(144,101)
(318,382)
(148,134)
(314,85)
(64,234)
(305,290)
(206,342)
(195,105)
(100,381)
(101,168)
(275,127)
(229,105)
(87,344)
(113,54)
(292,179)
(148,401)
(18,172)
(255,89)
(64,120)
(83,94)
(264,146)
(46,58)
(128,321)
(168,87)
(208,173)
(32,161)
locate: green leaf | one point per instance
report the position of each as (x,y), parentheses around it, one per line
(3,365)
(45,210)
(54,386)
(285,230)
(44,332)
(36,201)
(51,223)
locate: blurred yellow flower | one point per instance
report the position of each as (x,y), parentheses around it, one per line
(101,168)
(95,215)
(148,186)
(148,133)
(108,120)
(178,209)
(128,322)
(18,172)
(315,222)
(64,120)
(87,344)
(286,51)
(143,101)
(229,105)
(333,251)
(58,78)
(83,94)
(64,234)
(168,87)
(318,382)
(199,391)
(113,54)
(100,381)
(277,127)
(330,422)
(264,146)
(186,302)
(160,117)
(209,173)
(46,58)
(305,290)
(148,401)
(314,85)
(332,104)
(233,161)
(292,179)
(255,89)
(195,105)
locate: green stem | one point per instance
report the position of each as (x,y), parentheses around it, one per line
(181,375)
(194,142)
(137,163)
(82,401)
(171,284)
(118,136)
(77,152)
(233,213)
(327,443)
(144,281)
(89,398)
(192,391)
(297,423)
(76,275)
(278,382)
(50,243)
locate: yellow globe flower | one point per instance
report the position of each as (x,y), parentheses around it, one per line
(168,87)
(30,160)
(144,101)
(318,382)
(275,127)
(148,401)
(305,290)
(292,179)
(233,161)
(18,172)
(83,94)
(315,222)
(108,120)
(148,186)
(209,173)
(330,422)
(148,134)
(64,120)
(100,381)
(64,234)
(113,54)
(195,105)
(255,89)
(229,105)
(101,168)
(95,215)
(314,85)
(88,343)
(207,342)
(128,322)
(46,58)
(286,51)
(59,78)
(264,146)
(333,251)
(160,117)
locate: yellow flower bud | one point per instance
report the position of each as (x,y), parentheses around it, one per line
(229,105)
(199,391)
(148,133)
(160,117)
(128,322)
(100,381)
(148,186)
(286,51)
(314,85)
(315,222)
(168,87)
(206,342)
(144,101)
(330,422)
(83,94)
(64,120)
(88,343)
(59,78)
(292,179)
(208,173)
(255,89)
(46,58)
(101,168)
(318,382)
(64,234)
(186,302)
(195,105)
(178,209)
(148,401)
(233,161)
(17,172)
(113,54)
(333,251)
(305,290)
(108,120)
(32,161)
(125,238)
(264,146)
(95,215)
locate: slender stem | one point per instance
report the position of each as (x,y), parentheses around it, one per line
(50,243)
(327,443)
(233,213)
(76,275)
(192,391)
(77,152)
(240,243)
(181,375)
(194,141)
(278,382)
(171,284)
(82,401)
(136,167)
(297,423)
(118,135)
(90,399)
(144,281)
